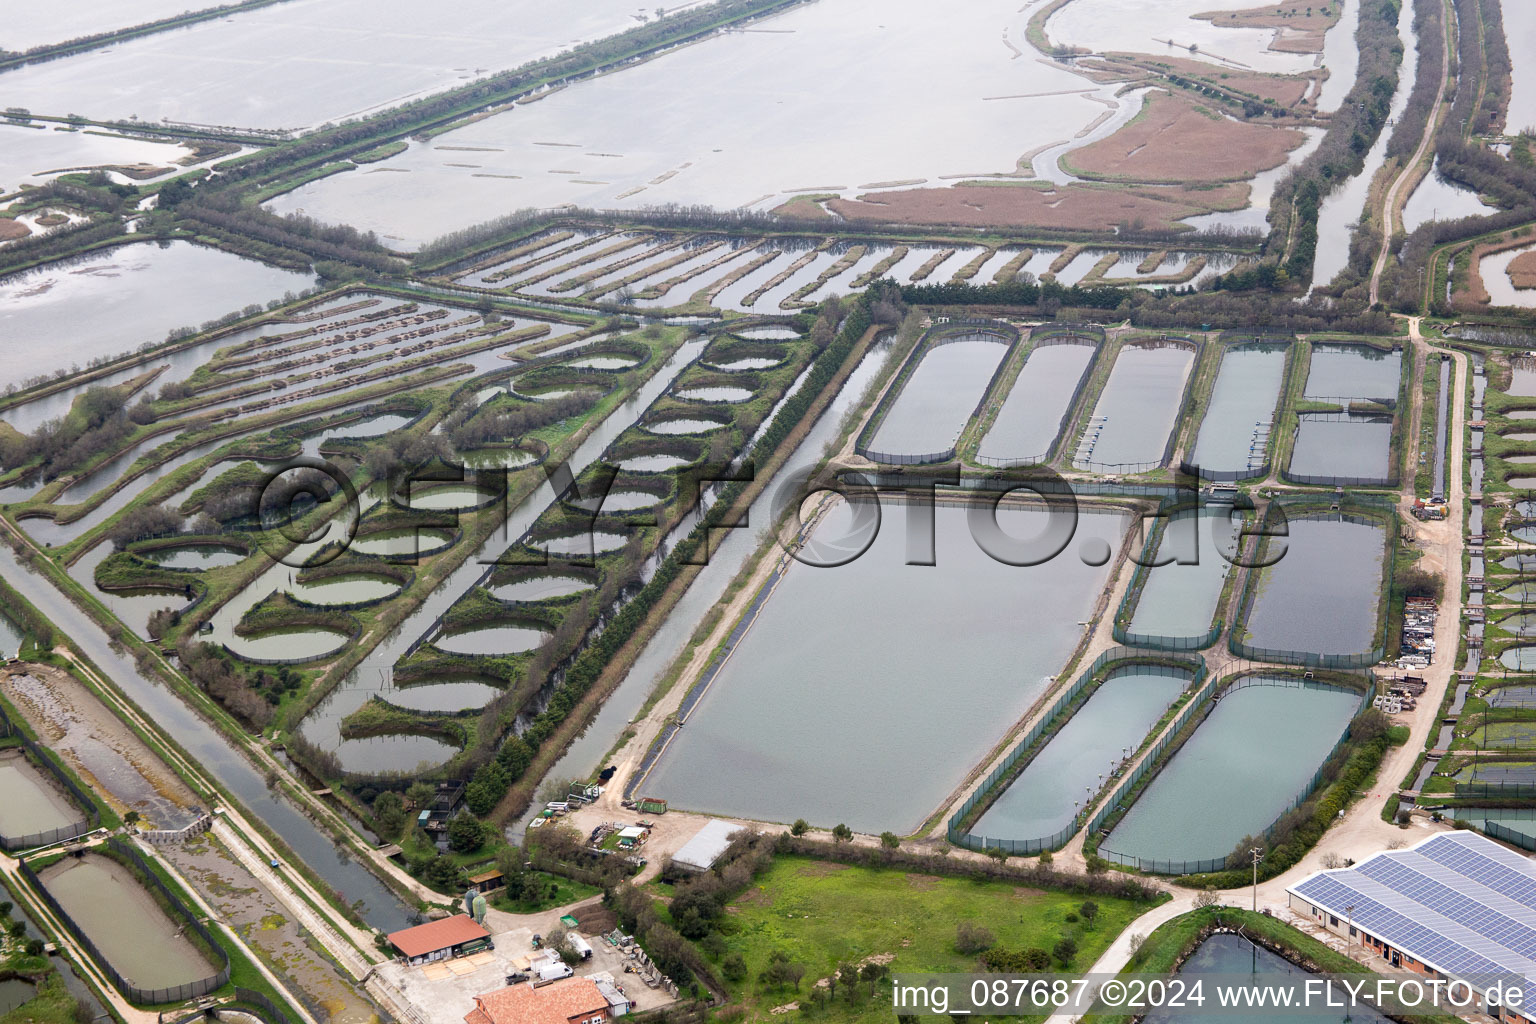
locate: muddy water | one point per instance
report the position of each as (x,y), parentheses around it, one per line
(245,905)
(10,638)
(1030,419)
(14,992)
(124,922)
(377,904)
(33,802)
(82,306)
(101,750)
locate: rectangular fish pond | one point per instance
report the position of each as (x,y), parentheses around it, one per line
(1046,796)
(1178,601)
(1251,759)
(1342,371)
(126,923)
(1137,409)
(1031,418)
(1322,596)
(938,398)
(33,802)
(1234,435)
(1348,449)
(864,693)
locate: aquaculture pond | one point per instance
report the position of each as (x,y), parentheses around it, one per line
(540,588)
(653,463)
(453,498)
(1231,956)
(33,802)
(1092,744)
(746,363)
(10,639)
(495,458)
(682,425)
(288,645)
(112,301)
(1350,448)
(407,542)
(1179,598)
(615,502)
(1321,596)
(1137,410)
(602,362)
(1234,435)
(1353,372)
(939,644)
(702,394)
(195,557)
(579,545)
(15,993)
(1031,418)
(343,590)
(124,922)
(938,398)
(1519,659)
(1516,819)
(1243,767)
(768,333)
(491,640)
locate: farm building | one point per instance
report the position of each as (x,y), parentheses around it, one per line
(439,940)
(706,846)
(572,1001)
(1455,906)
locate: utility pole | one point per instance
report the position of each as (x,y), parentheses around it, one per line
(1350,913)
(1258,855)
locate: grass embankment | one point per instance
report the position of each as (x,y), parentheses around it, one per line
(1172,943)
(822,915)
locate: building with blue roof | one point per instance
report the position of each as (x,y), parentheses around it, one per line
(1457,906)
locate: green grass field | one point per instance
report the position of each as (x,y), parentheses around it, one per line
(821,915)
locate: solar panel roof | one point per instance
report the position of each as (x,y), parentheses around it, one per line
(1458,901)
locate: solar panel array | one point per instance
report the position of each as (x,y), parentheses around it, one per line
(1458,902)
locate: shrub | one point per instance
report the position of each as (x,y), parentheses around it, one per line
(972,938)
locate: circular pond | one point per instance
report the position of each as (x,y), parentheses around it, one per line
(540,588)
(1521,659)
(503,639)
(682,426)
(768,333)
(653,463)
(373,426)
(619,501)
(194,557)
(604,362)
(453,498)
(496,458)
(1520,435)
(443,695)
(748,363)
(309,643)
(343,590)
(406,542)
(579,545)
(730,395)
(1521,483)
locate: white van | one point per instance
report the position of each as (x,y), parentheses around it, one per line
(555,971)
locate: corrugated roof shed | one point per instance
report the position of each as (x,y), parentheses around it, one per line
(706,846)
(435,935)
(1458,902)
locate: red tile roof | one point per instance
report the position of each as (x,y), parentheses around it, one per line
(436,935)
(559,1003)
